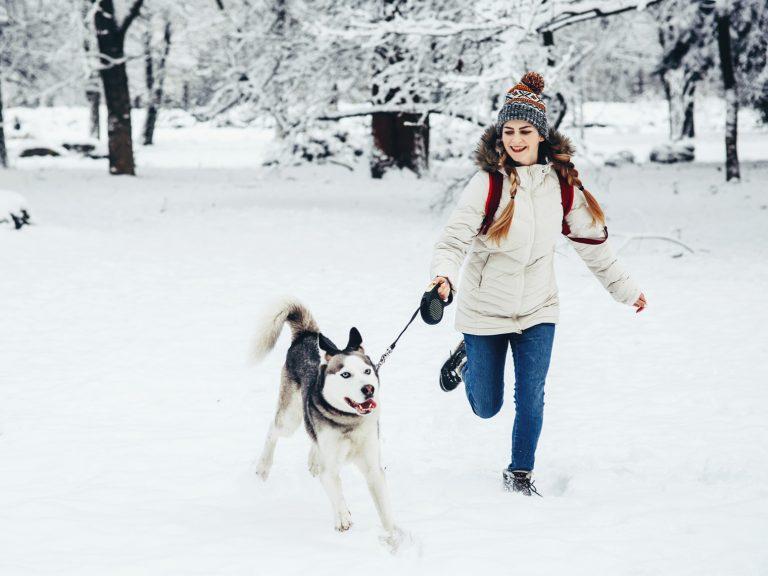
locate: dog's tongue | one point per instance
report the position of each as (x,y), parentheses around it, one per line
(368,405)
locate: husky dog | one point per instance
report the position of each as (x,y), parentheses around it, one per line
(337,399)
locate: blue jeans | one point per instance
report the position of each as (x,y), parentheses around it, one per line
(483,376)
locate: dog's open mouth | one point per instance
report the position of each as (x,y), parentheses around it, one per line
(362,408)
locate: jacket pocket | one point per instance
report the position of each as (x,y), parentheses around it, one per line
(482,270)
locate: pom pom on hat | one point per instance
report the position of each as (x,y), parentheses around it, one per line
(534,81)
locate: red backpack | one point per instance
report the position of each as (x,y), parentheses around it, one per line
(495,181)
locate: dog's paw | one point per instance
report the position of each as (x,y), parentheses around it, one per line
(262,471)
(314,468)
(342,527)
(397,540)
(344,521)
(313,463)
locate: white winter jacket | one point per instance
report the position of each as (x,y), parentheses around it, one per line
(511,287)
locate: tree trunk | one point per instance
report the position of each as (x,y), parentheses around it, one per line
(548,40)
(556,105)
(723,17)
(679,87)
(92,88)
(3,152)
(688,130)
(155,84)
(94,102)
(399,140)
(111,40)
(118,101)
(149,81)
(149,124)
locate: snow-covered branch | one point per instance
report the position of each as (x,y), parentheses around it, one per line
(568,13)
(404,27)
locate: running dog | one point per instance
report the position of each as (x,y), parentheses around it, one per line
(337,400)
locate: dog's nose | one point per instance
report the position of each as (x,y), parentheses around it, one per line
(367,390)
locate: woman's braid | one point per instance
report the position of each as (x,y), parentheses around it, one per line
(500,226)
(562,163)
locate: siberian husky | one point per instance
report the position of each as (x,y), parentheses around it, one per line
(337,398)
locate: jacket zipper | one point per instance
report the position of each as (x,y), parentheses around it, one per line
(533,237)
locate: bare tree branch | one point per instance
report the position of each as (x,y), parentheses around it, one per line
(411,109)
(132,14)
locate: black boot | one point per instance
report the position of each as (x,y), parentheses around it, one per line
(450,373)
(519,481)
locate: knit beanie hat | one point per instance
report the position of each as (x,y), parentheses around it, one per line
(524,102)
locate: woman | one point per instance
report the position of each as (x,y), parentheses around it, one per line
(508,293)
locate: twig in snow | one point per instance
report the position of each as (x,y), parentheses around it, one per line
(667,238)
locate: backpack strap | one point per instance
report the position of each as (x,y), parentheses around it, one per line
(495,182)
(566,198)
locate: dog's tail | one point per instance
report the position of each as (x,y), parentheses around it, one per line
(287,310)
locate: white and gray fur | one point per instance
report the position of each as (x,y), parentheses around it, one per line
(318,392)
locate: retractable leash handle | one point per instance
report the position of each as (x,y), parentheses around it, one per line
(432,305)
(431,309)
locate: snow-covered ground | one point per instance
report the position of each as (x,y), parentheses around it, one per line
(131,417)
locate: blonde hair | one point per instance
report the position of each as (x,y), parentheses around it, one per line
(562,164)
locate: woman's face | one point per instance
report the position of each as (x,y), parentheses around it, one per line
(521,141)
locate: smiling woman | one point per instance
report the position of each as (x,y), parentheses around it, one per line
(508,295)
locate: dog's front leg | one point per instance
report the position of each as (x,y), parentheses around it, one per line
(332,484)
(370,466)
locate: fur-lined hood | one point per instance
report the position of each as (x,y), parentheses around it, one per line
(487,155)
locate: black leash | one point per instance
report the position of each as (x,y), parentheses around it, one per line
(392,346)
(431,308)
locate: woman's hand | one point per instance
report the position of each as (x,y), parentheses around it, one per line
(640,304)
(444,287)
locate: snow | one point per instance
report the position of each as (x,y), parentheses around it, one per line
(131,417)
(11,202)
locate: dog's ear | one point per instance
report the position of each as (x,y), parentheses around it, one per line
(355,340)
(328,347)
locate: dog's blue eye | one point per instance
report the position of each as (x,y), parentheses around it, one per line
(367,370)
(345,374)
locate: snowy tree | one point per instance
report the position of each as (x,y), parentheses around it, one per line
(705,36)
(396,62)
(688,54)
(417,59)
(34,63)
(441,58)
(750,40)
(36,50)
